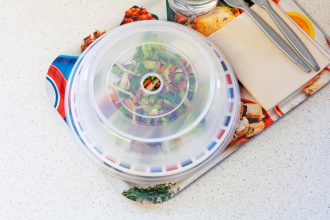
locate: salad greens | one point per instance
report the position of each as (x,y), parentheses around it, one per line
(155,86)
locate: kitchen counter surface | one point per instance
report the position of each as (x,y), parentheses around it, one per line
(282,174)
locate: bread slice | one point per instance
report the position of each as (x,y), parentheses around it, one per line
(210,23)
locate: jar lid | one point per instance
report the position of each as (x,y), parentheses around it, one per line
(153,101)
(193,7)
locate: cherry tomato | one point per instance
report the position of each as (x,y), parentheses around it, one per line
(149,16)
(137,10)
(88,37)
(135,14)
(144,11)
(83,47)
(88,41)
(128,13)
(153,18)
(144,17)
(126,20)
(97,34)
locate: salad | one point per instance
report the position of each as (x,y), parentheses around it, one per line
(155,86)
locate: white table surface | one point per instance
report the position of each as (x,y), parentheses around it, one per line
(282,174)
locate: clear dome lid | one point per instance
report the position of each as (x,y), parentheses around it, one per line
(153,101)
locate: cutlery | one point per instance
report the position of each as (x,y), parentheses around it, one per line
(289,34)
(271,34)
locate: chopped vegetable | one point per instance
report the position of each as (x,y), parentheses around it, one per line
(163,95)
(137,14)
(90,39)
(155,194)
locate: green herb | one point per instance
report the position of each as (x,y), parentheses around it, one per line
(171,97)
(156,194)
(150,64)
(152,99)
(181,110)
(140,68)
(144,100)
(117,70)
(147,51)
(158,107)
(178,77)
(164,119)
(134,83)
(182,94)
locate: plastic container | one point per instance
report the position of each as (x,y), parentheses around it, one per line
(152,102)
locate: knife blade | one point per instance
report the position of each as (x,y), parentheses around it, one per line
(290,35)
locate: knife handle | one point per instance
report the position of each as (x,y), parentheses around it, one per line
(277,40)
(292,37)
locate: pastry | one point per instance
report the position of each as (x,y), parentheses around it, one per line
(254,111)
(243,128)
(209,24)
(255,129)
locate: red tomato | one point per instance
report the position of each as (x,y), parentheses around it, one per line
(128,13)
(137,10)
(144,11)
(83,47)
(88,37)
(135,14)
(126,20)
(97,34)
(149,16)
(88,42)
(143,17)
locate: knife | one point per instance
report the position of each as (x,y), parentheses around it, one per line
(290,35)
(271,34)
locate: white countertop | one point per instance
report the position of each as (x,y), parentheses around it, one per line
(282,174)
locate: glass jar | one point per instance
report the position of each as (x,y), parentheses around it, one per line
(205,16)
(193,8)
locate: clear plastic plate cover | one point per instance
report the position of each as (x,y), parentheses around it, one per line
(152,101)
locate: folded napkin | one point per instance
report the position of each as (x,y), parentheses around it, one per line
(263,69)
